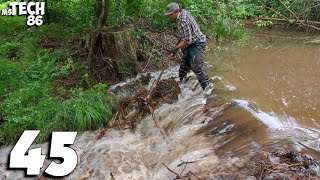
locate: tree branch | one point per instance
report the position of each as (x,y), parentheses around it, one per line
(104,15)
(297,18)
(177,175)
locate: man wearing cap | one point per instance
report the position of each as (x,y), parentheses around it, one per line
(193,42)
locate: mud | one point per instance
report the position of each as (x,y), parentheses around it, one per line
(210,137)
(131,109)
(199,129)
(282,164)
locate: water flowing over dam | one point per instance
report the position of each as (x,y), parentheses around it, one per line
(261,103)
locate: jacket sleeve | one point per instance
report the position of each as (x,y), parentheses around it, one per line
(184,29)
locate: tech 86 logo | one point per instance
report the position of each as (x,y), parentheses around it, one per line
(33,11)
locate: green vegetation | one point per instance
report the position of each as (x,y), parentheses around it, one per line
(304,9)
(216,18)
(29,72)
(35,60)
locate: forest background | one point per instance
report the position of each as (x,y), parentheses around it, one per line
(36,61)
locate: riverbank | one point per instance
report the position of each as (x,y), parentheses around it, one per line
(197,126)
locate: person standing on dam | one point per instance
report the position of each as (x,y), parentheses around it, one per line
(192,42)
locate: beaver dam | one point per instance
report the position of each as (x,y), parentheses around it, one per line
(208,137)
(261,121)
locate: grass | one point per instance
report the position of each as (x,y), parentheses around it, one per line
(8,76)
(86,110)
(28,98)
(30,101)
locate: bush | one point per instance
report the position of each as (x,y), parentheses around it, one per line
(85,111)
(27,110)
(73,15)
(215,18)
(8,75)
(273,8)
(30,102)
(9,50)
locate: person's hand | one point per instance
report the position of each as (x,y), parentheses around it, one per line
(173,52)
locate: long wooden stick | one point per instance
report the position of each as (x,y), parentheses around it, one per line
(279,14)
(156,122)
(177,175)
(194,175)
(159,126)
(297,18)
(288,20)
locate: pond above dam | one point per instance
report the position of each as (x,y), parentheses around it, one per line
(275,74)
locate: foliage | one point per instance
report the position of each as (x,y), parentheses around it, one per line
(101,87)
(139,34)
(8,49)
(10,25)
(260,23)
(214,17)
(75,15)
(28,72)
(29,99)
(8,75)
(31,108)
(305,9)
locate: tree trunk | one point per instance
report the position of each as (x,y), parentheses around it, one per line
(112,53)
(104,14)
(97,10)
(122,48)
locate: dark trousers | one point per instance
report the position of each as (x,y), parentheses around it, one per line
(192,59)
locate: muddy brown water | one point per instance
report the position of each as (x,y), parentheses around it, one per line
(262,102)
(274,77)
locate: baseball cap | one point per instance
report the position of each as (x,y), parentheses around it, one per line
(171,8)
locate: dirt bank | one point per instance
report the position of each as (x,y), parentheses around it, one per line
(142,152)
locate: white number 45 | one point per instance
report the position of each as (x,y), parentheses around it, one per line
(33,162)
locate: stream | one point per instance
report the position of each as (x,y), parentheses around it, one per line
(266,99)
(274,76)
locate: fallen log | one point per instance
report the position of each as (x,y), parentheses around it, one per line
(291,21)
(313,42)
(297,18)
